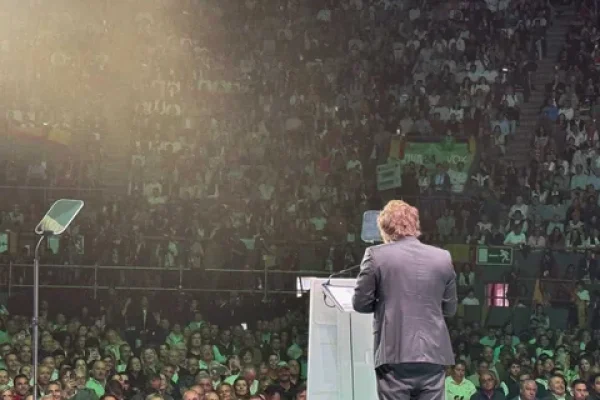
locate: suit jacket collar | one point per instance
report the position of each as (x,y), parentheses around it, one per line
(407,239)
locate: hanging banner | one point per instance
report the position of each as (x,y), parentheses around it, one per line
(389,176)
(56,135)
(430,154)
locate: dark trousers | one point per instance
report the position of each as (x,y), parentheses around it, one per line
(410,381)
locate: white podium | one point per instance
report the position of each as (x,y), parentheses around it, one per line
(340,346)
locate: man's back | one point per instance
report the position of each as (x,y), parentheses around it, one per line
(410,287)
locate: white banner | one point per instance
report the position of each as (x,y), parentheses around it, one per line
(389,176)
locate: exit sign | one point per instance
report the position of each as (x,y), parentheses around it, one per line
(494,255)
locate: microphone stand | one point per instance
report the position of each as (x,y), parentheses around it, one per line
(342,272)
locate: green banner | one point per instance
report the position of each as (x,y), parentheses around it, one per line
(430,154)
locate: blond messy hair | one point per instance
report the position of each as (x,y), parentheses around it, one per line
(397,220)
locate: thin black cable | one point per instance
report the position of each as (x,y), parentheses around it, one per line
(325,293)
(325,301)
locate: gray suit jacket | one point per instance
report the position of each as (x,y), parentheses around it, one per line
(410,287)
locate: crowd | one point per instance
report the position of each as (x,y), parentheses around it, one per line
(550,205)
(541,362)
(119,348)
(552,202)
(289,107)
(267,129)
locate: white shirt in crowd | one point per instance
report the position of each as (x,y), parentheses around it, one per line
(524,208)
(266,191)
(319,223)
(485,226)
(511,100)
(583,295)
(458,179)
(467,279)
(470,301)
(514,239)
(351,164)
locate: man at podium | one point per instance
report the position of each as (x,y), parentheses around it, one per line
(410,287)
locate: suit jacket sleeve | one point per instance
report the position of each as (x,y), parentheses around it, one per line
(450,301)
(365,292)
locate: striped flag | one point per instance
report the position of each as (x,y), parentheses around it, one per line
(397,148)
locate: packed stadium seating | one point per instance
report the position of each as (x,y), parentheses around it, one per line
(217,141)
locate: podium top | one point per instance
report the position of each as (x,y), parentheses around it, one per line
(341,295)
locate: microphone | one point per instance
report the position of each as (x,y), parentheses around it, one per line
(342,272)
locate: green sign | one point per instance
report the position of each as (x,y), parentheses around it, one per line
(494,255)
(430,154)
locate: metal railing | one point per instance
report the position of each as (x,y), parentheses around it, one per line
(23,194)
(97,278)
(435,203)
(265,278)
(544,291)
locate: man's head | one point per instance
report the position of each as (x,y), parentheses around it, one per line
(528,390)
(168,370)
(397,220)
(5,349)
(196,340)
(55,390)
(99,371)
(557,385)
(153,382)
(203,380)
(173,357)
(488,354)
(226,336)
(207,353)
(214,331)
(275,343)
(514,368)
(4,378)
(21,385)
(192,366)
(12,363)
(193,394)
(294,367)
(580,390)
(225,391)
(49,362)
(595,383)
(283,370)
(44,375)
(301,392)
(125,352)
